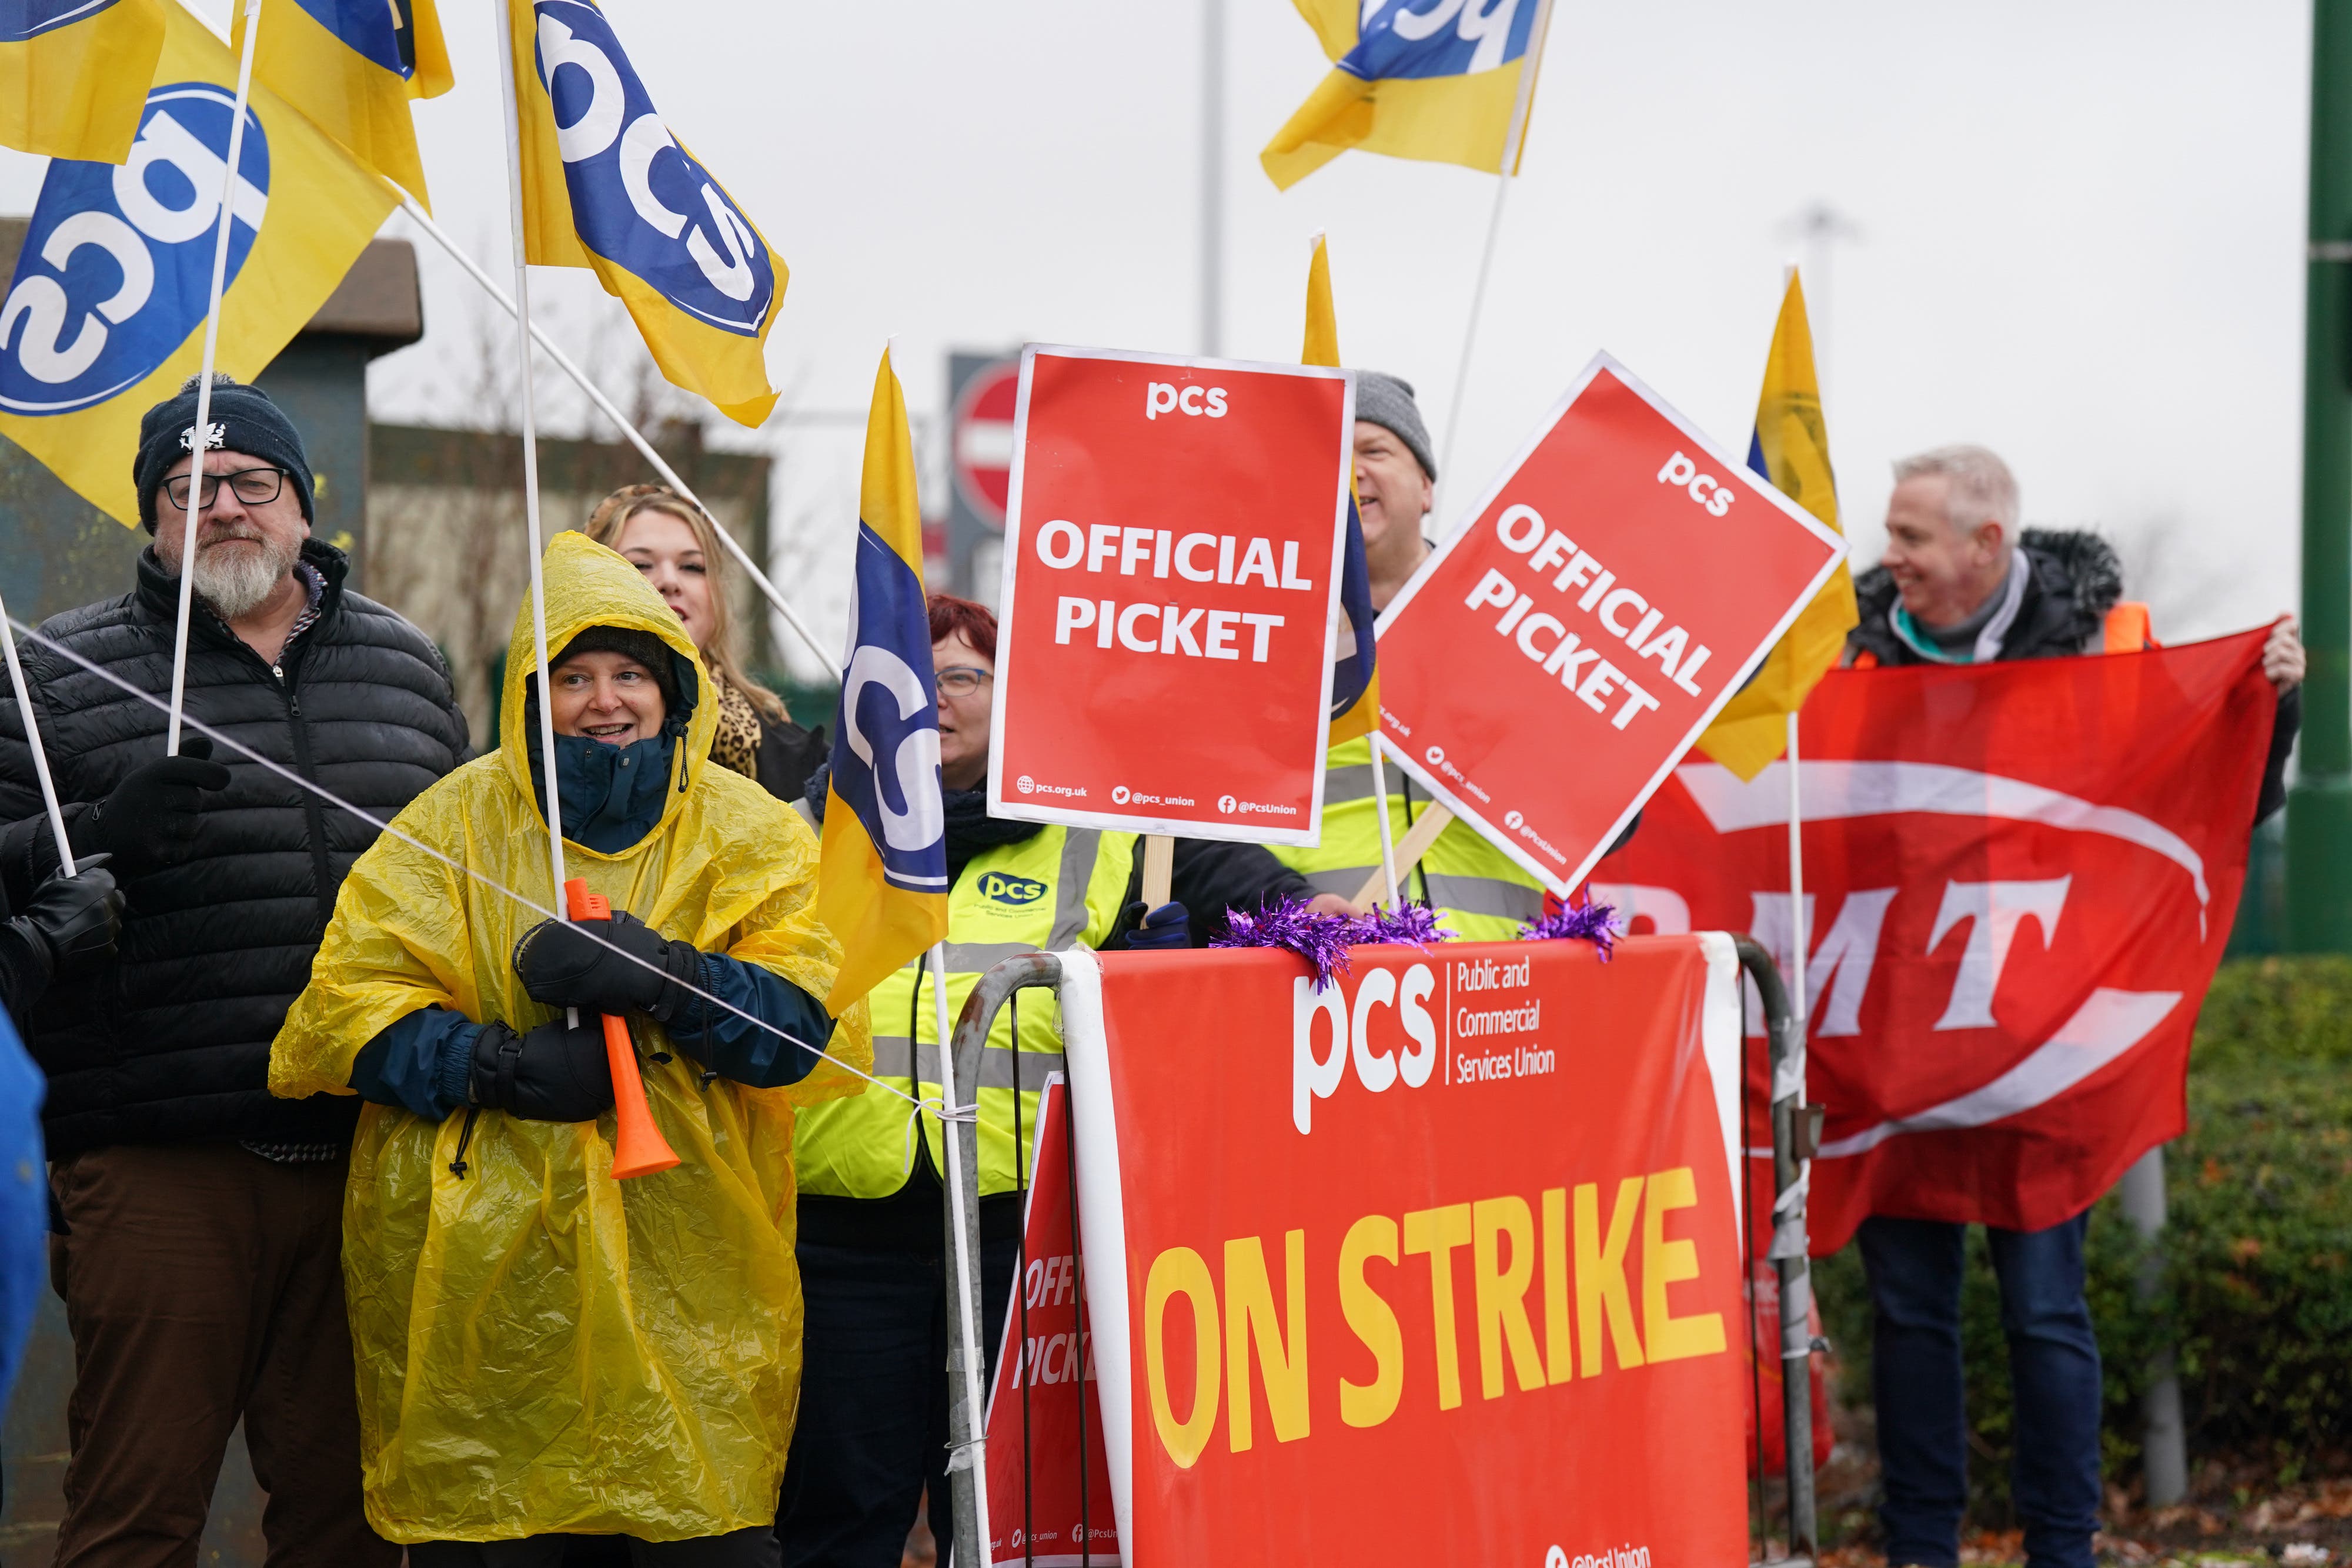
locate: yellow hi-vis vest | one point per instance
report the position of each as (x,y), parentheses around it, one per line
(1480,894)
(1059,889)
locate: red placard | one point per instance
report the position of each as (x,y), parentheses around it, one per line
(1049,1502)
(1565,646)
(1441,1264)
(1171,557)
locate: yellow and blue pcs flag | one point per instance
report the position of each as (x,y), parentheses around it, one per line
(1355,675)
(1451,81)
(353,66)
(74,75)
(1790,451)
(882,883)
(606,186)
(105,315)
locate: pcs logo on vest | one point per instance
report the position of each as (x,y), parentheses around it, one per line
(1016,891)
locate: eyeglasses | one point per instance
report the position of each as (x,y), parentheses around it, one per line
(962,680)
(253,486)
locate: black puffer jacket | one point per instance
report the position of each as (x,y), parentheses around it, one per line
(171,1040)
(2075,580)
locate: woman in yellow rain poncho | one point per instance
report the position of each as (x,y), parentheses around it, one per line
(541,1347)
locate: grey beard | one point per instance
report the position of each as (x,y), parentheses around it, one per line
(235,586)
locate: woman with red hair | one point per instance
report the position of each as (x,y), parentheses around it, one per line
(873,1418)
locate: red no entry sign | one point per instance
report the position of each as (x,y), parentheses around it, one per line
(983,436)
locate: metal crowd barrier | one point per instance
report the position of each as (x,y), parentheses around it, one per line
(1795,1135)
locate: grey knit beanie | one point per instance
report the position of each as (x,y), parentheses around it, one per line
(1387,401)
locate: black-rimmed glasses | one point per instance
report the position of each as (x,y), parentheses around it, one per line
(252,487)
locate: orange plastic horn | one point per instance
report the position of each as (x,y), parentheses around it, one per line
(638,1147)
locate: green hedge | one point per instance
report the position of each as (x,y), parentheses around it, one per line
(2255,1278)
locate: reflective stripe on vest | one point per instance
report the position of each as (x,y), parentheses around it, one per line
(1482,894)
(1060,889)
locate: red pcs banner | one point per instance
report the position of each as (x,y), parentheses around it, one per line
(2018,879)
(1440,1264)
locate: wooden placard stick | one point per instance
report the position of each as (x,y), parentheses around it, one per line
(1409,850)
(1159,869)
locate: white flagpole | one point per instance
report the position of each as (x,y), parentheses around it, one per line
(33,739)
(1797,891)
(530,464)
(1513,139)
(635,438)
(967,1267)
(1388,833)
(197,441)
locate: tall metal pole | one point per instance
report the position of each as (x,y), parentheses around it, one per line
(2164,1443)
(2319,809)
(1213,176)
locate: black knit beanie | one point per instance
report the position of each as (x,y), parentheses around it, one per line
(658,657)
(243,419)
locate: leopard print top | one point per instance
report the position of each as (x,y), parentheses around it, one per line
(735,747)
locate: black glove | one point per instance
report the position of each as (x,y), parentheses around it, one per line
(560,965)
(554,1073)
(75,918)
(150,820)
(1168,927)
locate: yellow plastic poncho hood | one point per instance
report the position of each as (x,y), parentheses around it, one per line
(541,1347)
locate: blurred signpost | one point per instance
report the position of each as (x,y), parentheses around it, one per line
(982,391)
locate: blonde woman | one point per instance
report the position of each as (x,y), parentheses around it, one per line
(675,544)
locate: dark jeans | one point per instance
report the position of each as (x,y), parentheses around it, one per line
(1915,1267)
(874,1399)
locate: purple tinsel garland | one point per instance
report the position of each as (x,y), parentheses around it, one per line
(1595,923)
(1323,940)
(1289,924)
(1409,925)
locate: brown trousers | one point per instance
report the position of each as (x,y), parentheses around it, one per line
(204,1283)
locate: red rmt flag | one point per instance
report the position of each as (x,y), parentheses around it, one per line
(2018,878)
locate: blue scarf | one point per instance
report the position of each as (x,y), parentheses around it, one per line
(612,795)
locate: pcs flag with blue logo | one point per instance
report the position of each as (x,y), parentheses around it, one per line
(606,186)
(882,884)
(1355,674)
(105,315)
(74,74)
(1451,81)
(353,65)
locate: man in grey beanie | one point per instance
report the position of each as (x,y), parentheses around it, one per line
(1479,891)
(200,1247)
(1396,479)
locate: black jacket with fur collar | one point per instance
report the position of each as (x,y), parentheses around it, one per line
(2075,580)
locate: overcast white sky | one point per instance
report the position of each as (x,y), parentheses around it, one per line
(2080,232)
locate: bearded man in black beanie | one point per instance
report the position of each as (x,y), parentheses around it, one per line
(199,1221)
